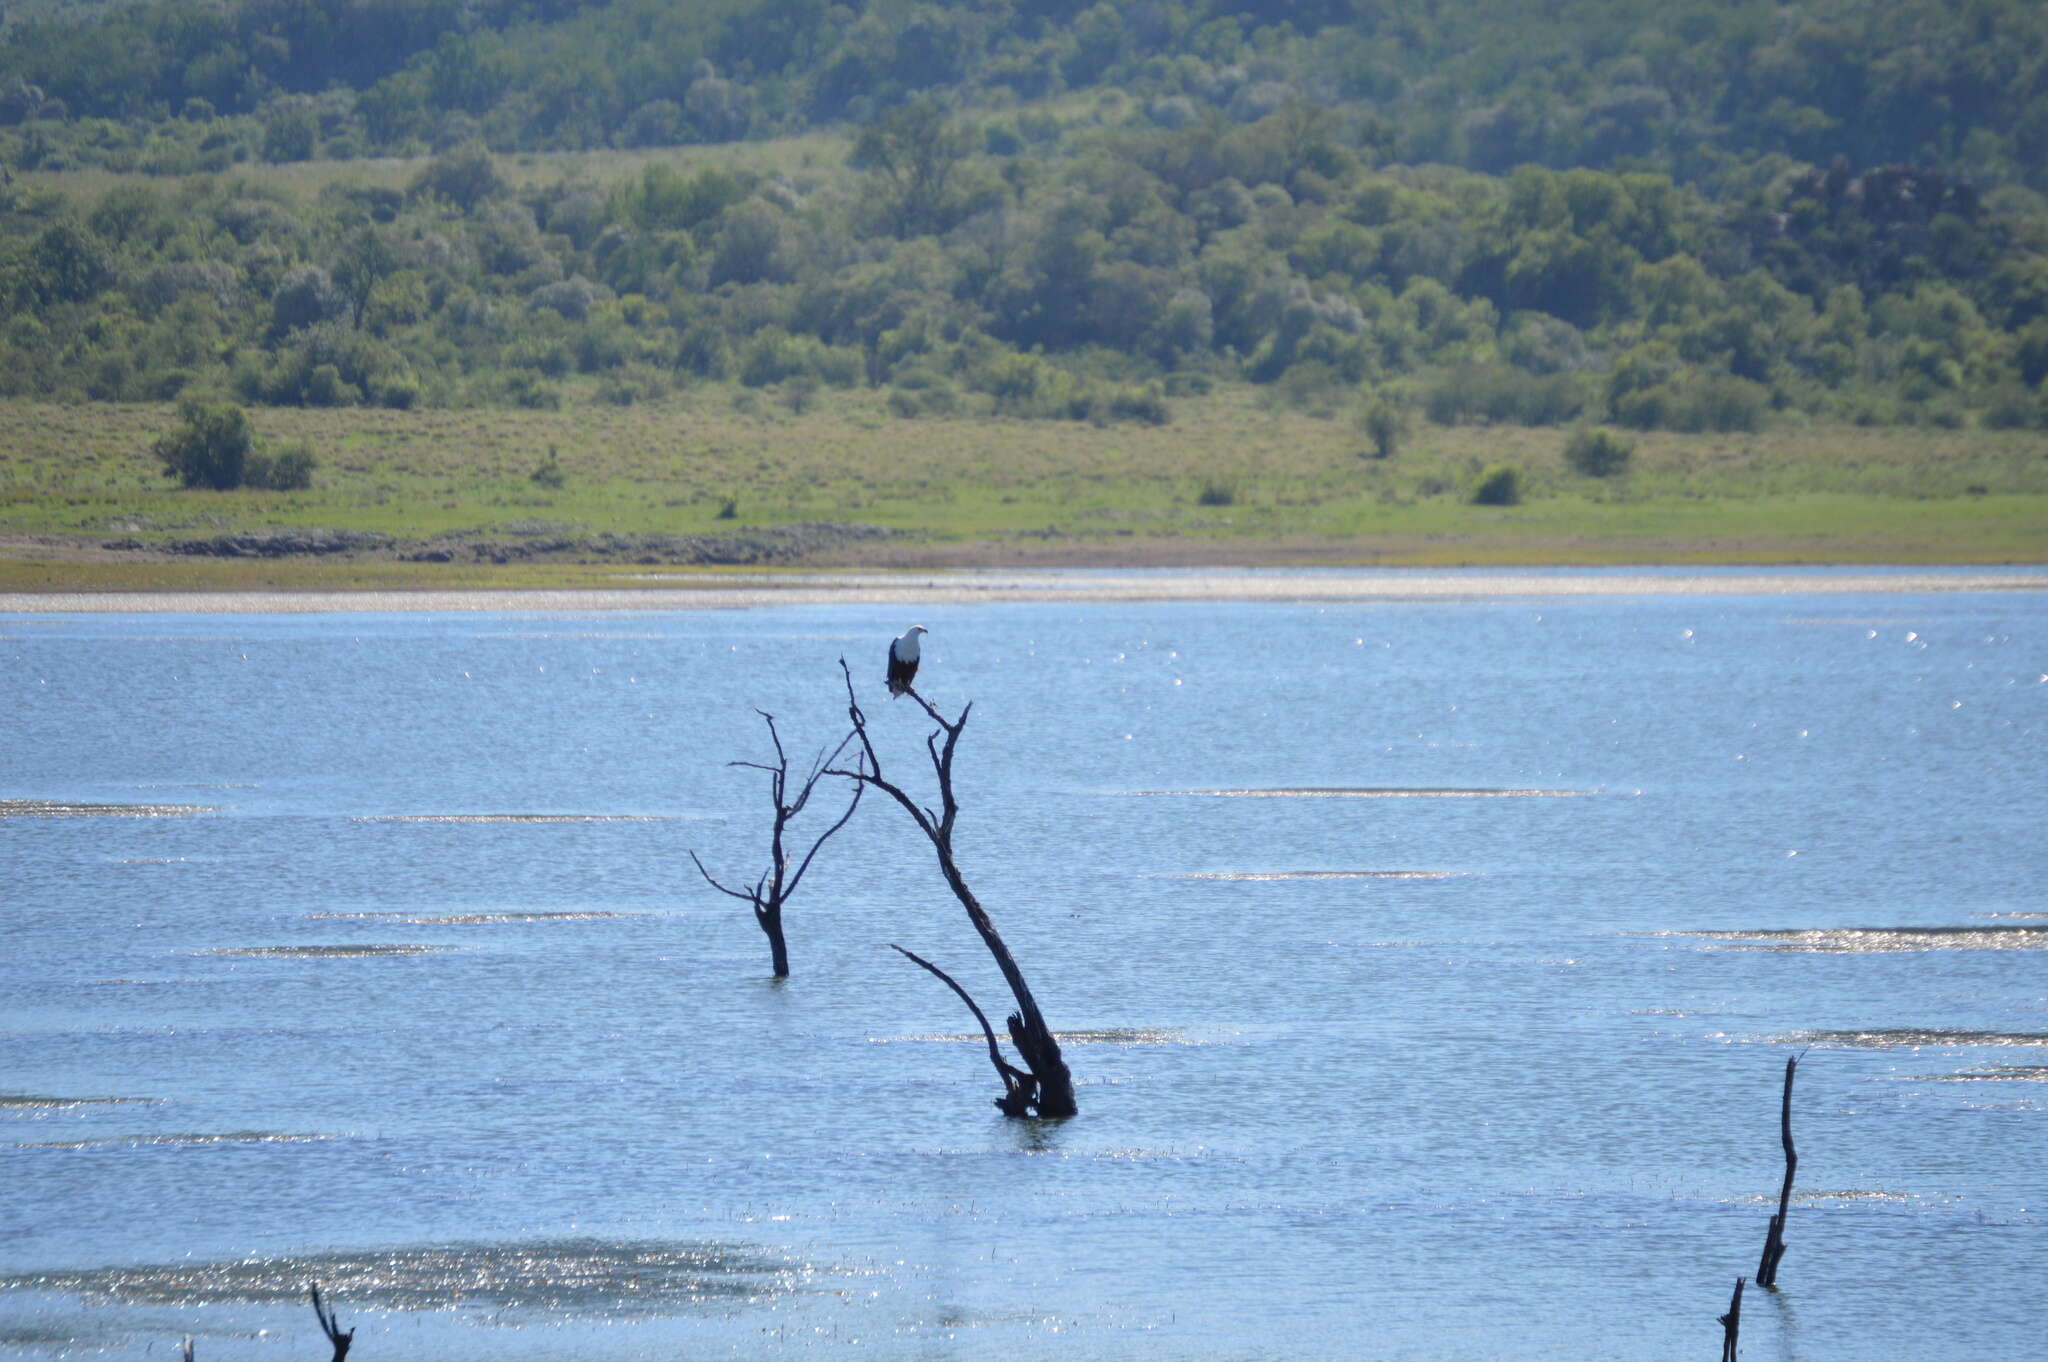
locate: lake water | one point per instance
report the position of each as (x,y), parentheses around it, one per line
(1470,1047)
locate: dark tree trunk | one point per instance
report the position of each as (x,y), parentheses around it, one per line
(1774,1240)
(1731,1324)
(770,921)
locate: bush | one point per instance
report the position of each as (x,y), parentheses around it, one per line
(209,448)
(1503,395)
(771,355)
(1597,453)
(532,392)
(325,388)
(799,391)
(920,392)
(1146,404)
(1500,485)
(1385,424)
(635,383)
(1217,492)
(549,474)
(1695,402)
(289,470)
(2014,408)
(465,176)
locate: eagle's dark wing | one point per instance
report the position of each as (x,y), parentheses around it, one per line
(901,673)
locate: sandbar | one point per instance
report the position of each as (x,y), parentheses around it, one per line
(659,591)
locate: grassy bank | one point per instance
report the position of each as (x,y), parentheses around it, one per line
(1230,479)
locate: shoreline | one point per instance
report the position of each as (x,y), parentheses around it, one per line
(708,591)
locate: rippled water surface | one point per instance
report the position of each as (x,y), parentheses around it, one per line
(1428,968)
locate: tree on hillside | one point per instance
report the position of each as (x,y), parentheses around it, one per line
(364,262)
(911,154)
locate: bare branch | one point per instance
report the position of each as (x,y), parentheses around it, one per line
(714,883)
(1018,1086)
(844,819)
(869,770)
(329,1325)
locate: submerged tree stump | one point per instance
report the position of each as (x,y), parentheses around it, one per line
(1731,1324)
(1774,1240)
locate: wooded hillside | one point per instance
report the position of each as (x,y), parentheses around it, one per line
(1687,216)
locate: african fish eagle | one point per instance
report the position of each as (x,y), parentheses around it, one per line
(903,660)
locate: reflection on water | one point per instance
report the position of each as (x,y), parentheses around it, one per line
(1850,939)
(1996,1073)
(58,808)
(476,919)
(1369,792)
(1257,876)
(508,818)
(1908,1036)
(1455,987)
(1114,1035)
(229,1137)
(576,1277)
(330,952)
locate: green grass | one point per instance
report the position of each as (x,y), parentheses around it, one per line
(982,489)
(809,160)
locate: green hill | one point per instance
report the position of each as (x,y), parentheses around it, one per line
(1694,216)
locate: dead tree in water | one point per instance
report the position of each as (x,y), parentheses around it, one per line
(1731,1324)
(331,1327)
(772,890)
(1043,1087)
(1774,1241)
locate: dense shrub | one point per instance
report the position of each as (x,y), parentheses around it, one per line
(1502,395)
(1385,424)
(288,470)
(209,448)
(548,473)
(1146,404)
(1693,402)
(1597,453)
(1499,485)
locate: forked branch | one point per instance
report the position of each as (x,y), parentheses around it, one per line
(330,1326)
(1019,1088)
(775,885)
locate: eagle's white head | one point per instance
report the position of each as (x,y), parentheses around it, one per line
(906,646)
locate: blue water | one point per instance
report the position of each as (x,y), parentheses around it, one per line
(1507,1106)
